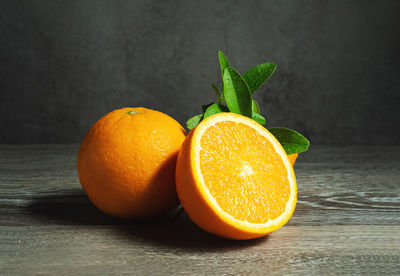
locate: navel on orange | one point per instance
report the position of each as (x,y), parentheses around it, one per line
(126,162)
(234,179)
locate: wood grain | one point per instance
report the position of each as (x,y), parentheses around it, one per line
(347,221)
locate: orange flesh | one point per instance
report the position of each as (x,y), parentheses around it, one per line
(247,179)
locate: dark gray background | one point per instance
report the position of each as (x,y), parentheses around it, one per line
(64,64)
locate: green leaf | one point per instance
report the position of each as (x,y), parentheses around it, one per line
(254,107)
(258,75)
(205,106)
(214,109)
(291,140)
(258,118)
(193,122)
(236,92)
(224,63)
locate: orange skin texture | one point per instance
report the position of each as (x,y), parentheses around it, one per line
(292,158)
(126,163)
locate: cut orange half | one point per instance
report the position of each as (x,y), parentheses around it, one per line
(234,179)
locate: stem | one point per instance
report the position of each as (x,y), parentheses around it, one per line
(216,93)
(131,112)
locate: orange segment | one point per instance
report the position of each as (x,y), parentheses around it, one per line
(234,179)
(245,160)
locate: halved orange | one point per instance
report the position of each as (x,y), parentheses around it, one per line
(234,179)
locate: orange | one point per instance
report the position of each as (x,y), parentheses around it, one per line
(234,179)
(292,158)
(126,162)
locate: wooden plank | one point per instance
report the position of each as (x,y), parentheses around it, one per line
(347,221)
(149,249)
(39,182)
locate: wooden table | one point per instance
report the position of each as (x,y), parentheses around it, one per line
(347,221)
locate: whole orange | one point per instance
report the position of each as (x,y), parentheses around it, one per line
(126,162)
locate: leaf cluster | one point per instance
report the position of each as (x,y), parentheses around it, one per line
(236,95)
